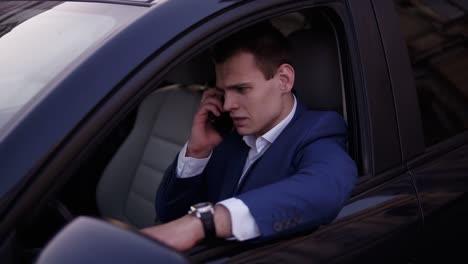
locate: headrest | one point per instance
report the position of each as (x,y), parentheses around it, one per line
(315,57)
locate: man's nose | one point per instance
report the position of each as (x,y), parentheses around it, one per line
(229,103)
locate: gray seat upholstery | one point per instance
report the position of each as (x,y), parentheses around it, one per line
(127,188)
(319,73)
(315,57)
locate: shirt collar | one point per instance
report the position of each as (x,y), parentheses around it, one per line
(273,133)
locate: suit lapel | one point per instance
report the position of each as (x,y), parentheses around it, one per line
(266,169)
(269,167)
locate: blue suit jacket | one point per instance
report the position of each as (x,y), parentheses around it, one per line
(302,181)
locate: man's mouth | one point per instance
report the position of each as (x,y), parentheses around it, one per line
(239,121)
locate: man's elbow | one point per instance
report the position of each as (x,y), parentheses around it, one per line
(344,188)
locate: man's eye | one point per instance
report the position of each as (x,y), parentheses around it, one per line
(241,89)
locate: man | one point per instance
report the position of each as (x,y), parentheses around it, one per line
(281,170)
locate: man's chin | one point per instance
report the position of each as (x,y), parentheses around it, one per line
(243,131)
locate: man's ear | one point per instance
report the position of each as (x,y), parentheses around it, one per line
(286,76)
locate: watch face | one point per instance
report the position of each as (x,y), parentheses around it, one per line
(202,207)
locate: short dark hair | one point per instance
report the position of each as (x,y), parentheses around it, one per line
(266,43)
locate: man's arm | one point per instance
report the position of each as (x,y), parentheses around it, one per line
(185,232)
(324,178)
(183,169)
(313,196)
(175,194)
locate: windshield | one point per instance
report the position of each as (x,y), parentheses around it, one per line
(39,40)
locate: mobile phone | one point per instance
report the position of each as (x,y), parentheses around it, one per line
(222,124)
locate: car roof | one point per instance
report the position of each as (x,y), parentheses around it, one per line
(127,2)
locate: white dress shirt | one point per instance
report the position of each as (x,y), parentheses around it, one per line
(243,224)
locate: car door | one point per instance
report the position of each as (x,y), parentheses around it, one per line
(427,56)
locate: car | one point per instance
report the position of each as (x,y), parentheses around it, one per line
(97,98)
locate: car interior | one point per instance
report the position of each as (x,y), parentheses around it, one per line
(119,181)
(126,190)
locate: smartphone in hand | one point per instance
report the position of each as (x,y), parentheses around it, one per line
(222,124)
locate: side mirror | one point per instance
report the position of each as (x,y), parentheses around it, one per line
(89,240)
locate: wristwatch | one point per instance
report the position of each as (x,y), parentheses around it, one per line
(205,211)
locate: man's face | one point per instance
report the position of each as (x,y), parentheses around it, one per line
(255,104)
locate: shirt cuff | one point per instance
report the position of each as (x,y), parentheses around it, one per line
(187,166)
(244,226)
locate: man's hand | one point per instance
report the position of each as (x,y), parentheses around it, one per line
(181,234)
(185,232)
(204,137)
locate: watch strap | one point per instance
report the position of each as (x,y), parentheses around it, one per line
(208,225)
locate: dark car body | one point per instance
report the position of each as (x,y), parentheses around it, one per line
(410,142)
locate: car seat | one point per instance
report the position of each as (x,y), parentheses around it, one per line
(316,60)
(127,188)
